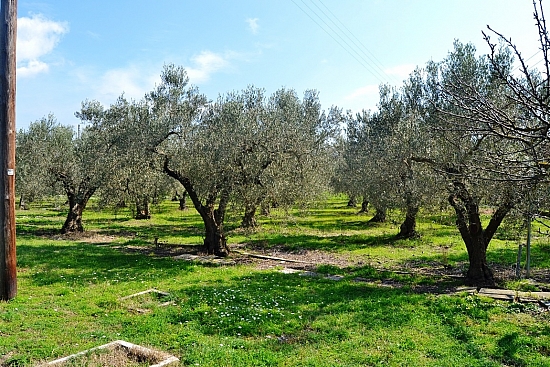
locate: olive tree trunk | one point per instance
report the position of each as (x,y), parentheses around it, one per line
(364,205)
(22,203)
(249,217)
(408,227)
(379,216)
(215,241)
(183,201)
(476,238)
(142,208)
(77,204)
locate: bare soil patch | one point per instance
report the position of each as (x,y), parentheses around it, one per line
(309,260)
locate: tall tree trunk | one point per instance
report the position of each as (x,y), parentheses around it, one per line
(183,201)
(408,227)
(73,223)
(249,217)
(215,241)
(142,208)
(364,205)
(379,216)
(476,238)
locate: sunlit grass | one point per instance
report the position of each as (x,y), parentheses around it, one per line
(70,294)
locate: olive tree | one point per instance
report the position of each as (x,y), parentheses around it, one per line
(378,157)
(32,179)
(296,135)
(479,166)
(78,164)
(136,177)
(242,147)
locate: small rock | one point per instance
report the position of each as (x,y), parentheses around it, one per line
(335,277)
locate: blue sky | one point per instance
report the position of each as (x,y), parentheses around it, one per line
(70,51)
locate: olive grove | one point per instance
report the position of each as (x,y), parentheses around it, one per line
(243,148)
(469,131)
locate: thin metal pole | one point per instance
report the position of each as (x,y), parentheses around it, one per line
(518,263)
(528,260)
(8,36)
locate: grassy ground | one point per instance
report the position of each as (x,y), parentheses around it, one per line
(70,294)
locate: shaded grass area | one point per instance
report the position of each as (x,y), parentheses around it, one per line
(70,290)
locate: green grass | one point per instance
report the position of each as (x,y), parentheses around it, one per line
(69,295)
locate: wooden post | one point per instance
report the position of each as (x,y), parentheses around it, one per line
(8,36)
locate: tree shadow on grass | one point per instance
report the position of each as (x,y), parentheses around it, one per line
(293,243)
(322,222)
(507,348)
(85,263)
(136,235)
(161,231)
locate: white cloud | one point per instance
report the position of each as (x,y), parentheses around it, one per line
(36,38)
(364,98)
(366,91)
(253,25)
(206,63)
(133,81)
(137,79)
(401,71)
(31,68)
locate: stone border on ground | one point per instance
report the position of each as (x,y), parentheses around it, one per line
(507,294)
(168,360)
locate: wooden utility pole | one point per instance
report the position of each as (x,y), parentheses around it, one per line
(8,36)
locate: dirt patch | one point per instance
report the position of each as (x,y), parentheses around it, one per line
(310,260)
(164,250)
(91,237)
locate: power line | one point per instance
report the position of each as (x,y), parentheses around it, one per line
(347,47)
(359,44)
(342,35)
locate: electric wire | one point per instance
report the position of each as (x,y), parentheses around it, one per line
(349,49)
(360,45)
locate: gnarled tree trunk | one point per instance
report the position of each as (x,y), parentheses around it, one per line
(183,201)
(379,216)
(249,217)
(408,227)
(352,203)
(215,241)
(77,204)
(476,238)
(364,205)
(22,204)
(142,208)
